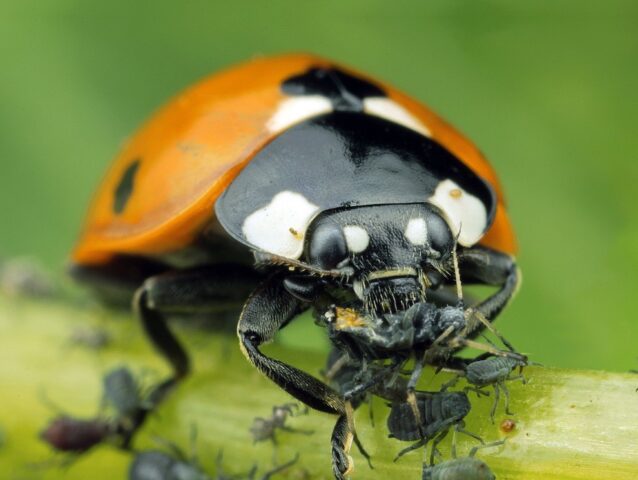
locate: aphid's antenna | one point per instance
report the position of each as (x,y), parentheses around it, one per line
(219,459)
(487,324)
(47,402)
(175,450)
(193,442)
(487,339)
(464,342)
(457,273)
(281,467)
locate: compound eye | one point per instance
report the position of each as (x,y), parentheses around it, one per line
(328,246)
(439,234)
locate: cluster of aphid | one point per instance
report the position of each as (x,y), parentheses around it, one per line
(421,417)
(124,407)
(352,200)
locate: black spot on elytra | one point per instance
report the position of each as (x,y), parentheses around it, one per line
(345,91)
(125,187)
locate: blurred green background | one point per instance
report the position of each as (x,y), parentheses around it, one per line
(547,89)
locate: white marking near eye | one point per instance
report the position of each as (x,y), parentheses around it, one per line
(297,109)
(466,214)
(357,238)
(390,110)
(417,231)
(280,226)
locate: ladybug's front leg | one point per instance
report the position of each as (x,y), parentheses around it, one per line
(267,310)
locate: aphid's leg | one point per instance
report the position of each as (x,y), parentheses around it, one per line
(520,377)
(435,454)
(252,472)
(192,441)
(174,449)
(460,427)
(506,392)
(280,468)
(219,463)
(371,410)
(336,367)
(497,397)
(364,453)
(451,383)
(296,430)
(486,445)
(414,446)
(488,267)
(438,439)
(454,443)
(478,390)
(377,378)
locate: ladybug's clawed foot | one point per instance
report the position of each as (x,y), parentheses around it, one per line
(342,438)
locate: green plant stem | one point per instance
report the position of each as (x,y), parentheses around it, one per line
(569,424)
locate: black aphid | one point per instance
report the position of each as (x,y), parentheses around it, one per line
(266,428)
(438,413)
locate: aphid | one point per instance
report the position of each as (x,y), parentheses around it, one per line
(74,435)
(266,428)
(493,371)
(307,184)
(466,468)
(157,465)
(172,465)
(125,395)
(25,277)
(429,331)
(93,338)
(122,391)
(438,413)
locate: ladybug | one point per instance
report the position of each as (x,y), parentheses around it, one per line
(286,184)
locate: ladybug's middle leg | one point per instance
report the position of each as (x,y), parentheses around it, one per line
(205,290)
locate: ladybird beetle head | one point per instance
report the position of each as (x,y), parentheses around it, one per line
(390,253)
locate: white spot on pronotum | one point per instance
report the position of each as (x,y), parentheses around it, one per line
(416,232)
(465,213)
(357,238)
(294,110)
(385,108)
(280,226)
